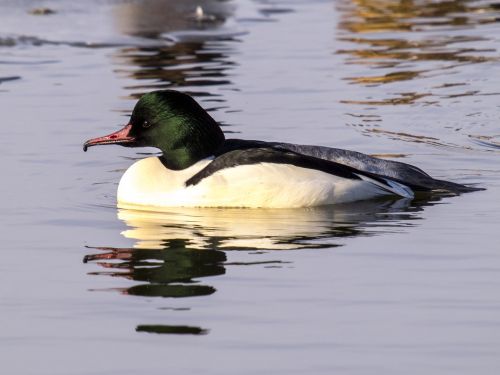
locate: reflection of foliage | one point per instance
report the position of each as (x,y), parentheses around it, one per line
(411,15)
(202,65)
(179,48)
(363,20)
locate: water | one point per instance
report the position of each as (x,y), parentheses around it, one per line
(376,287)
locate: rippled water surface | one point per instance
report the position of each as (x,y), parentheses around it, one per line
(392,287)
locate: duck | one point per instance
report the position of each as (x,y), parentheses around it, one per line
(199,167)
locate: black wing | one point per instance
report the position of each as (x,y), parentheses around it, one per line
(255,155)
(403,173)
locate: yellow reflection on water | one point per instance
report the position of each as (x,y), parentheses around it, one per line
(271,229)
(414,54)
(415,15)
(391,34)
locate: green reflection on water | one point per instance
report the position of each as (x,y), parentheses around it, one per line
(168,329)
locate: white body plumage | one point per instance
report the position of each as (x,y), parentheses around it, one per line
(148,183)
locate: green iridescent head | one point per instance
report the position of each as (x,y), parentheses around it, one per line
(173,122)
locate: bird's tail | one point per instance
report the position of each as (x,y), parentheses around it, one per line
(453,187)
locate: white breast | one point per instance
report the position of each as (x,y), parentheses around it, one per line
(149,183)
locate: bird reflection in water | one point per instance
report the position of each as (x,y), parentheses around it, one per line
(178,249)
(167,273)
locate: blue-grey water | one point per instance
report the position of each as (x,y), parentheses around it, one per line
(387,287)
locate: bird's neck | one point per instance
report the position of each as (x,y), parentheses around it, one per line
(182,158)
(187,155)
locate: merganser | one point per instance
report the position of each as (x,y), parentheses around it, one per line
(200,168)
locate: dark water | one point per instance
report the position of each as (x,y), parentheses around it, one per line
(375,287)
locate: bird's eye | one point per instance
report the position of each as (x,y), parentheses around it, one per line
(146,124)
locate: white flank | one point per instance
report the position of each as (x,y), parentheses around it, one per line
(149,183)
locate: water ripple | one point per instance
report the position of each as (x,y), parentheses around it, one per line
(416,55)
